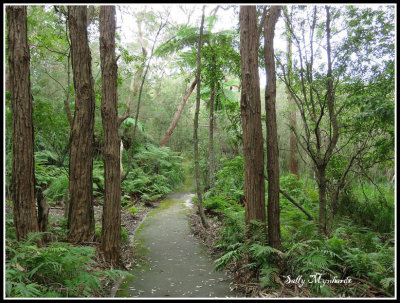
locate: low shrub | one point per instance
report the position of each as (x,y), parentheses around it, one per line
(57,269)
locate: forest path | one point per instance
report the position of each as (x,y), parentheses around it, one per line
(172,262)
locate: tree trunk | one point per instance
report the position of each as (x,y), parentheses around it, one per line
(321,171)
(196,126)
(334,130)
(111,220)
(23,165)
(81,214)
(274,232)
(290,199)
(293,162)
(250,103)
(43,210)
(211,135)
(178,113)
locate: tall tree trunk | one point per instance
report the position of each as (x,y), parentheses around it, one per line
(23,164)
(81,214)
(196,126)
(250,103)
(111,220)
(274,232)
(178,113)
(211,135)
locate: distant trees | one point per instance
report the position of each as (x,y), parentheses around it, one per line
(23,165)
(250,104)
(81,214)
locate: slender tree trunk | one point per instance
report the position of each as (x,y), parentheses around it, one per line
(111,220)
(274,232)
(250,103)
(23,164)
(290,199)
(334,130)
(81,214)
(294,163)
(196,126)
(321,171)
(211,135)
(43,210)
(178,113)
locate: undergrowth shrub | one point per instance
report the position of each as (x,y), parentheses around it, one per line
(156,172)
(368,207)
(351,250)
(229,180)
(57,269)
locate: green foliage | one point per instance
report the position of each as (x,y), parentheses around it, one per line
(157,171)
(229,180)
(350,250)
(307,197)
(234,253)
(133,209)
(98,178)
(124,234)
(54,270)
(97,231)
(130,122)
(57,188)
(125,202)
(368,207)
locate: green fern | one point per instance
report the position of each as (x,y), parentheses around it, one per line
(57,268)
(227,258)
(267,275)
(262,253)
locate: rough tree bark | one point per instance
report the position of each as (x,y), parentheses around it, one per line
(111,220)
(274,232)
(250,104)
(178,113)
(23,165)
(196,126)
(81,214)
